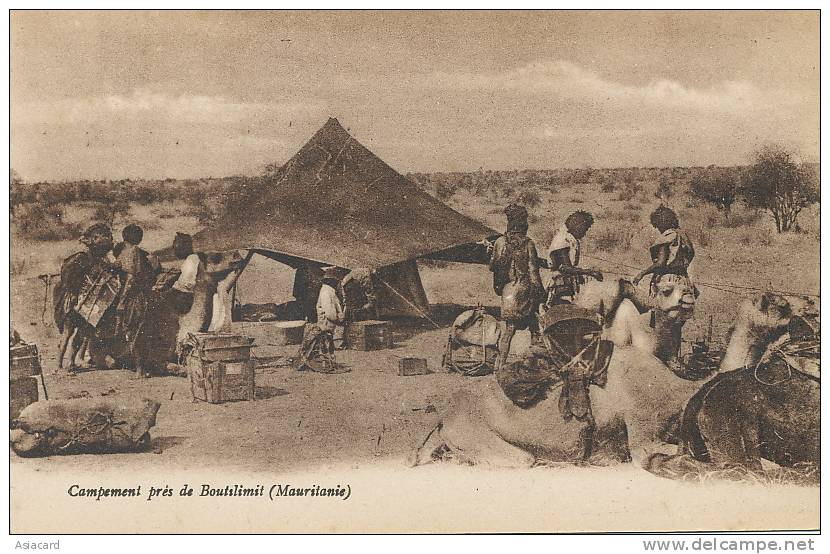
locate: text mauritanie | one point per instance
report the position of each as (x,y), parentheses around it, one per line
(209,490)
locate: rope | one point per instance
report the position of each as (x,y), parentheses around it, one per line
(405,299)
(46,281)
(715,285)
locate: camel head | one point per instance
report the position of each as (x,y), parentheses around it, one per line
(760,321)
(219,265)
(675,299)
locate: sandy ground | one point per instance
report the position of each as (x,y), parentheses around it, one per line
(357,428)
(352,429)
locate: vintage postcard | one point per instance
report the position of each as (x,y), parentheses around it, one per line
(422,272)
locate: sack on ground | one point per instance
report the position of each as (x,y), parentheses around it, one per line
(84,426)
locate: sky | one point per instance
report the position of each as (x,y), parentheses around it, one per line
(198,94)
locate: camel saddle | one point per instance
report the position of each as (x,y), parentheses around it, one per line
(574,355)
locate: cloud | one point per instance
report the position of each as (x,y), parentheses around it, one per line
(563,80)
(147,105)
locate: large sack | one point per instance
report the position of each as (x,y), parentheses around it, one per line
(84,425)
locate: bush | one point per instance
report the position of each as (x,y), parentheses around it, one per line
(444,191)
(778,184)
(44,222)
(719,189)
(616,239)
(529,198)
(116,207)
(608,186)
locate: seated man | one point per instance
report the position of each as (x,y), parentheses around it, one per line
(564,251)
(360,295)
(317,350)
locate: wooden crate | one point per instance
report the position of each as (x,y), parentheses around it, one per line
(22,392)
(369,335)
(221,347)
(24,361)
(221,369)
(412,366)
(218,382)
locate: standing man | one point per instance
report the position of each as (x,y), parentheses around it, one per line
(516,279)
(76,270)
(564,254)
(139,277)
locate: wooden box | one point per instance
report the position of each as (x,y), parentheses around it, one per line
(368,335)
(412,366)
(221,368)
(24,361)
(22,392)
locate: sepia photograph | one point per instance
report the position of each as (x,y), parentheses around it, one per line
(451,271)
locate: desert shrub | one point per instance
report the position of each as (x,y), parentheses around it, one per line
(608,186)
(109,212)
(613,239)
(742,219)
(444,191)
(702,238)
(776,183)
(718,188)
(629,191)
(665,189)
(529,198)
(44,222)
(623,215)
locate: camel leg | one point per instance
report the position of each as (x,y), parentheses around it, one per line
(508,330)
(644,442)
(68,331)
(84,348)
(75,346)
(470,440)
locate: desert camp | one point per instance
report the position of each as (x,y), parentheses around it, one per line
(461,306)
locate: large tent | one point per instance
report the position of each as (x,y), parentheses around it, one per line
(336,203)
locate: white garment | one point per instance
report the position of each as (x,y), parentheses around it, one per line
(329,309)
(190,272)
(562,240)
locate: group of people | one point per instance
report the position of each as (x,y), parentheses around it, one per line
(104,294)
(106,275)
(516,264)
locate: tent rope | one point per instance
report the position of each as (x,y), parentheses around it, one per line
(714,285)
(405,299)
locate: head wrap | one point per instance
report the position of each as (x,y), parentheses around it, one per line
(182,245)
(330,273)
(516,218)
(97,228)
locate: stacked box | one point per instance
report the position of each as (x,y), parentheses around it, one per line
(22,392)
(24,364)
(221,369)
(368,335)
(24,361)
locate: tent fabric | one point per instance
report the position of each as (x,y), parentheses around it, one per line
(400,291)
(337,203)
